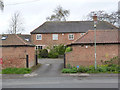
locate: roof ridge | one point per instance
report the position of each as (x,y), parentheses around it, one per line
(100,30)
(70,21)
(38,27)
(21,39)
(111,24)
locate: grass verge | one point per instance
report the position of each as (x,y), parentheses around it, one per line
(16,71)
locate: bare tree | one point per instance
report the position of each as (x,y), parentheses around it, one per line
(1,5)
(104,16)
(16,24)
(60,14)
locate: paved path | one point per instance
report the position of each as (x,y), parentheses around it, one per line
(50,67)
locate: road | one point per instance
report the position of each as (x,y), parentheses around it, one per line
(49,76)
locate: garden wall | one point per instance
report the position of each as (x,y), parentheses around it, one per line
(16,56)
(84,55)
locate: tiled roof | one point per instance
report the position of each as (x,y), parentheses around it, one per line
(71,26)
(102,36)
(13,40)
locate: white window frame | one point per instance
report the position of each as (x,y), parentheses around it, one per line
(40,38)
(40,45)
(53,37)
(71,38)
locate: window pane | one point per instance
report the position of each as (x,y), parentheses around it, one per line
(39,37)
(39,47)
(71,36)
(55,36)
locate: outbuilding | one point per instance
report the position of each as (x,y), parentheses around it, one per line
(17,51)
(83,49)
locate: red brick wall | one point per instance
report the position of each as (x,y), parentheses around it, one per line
(47,39)
(85,56)
(16,56)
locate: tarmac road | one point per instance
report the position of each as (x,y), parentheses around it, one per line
(49,76)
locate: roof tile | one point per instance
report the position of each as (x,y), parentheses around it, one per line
(102,36)
(71,26)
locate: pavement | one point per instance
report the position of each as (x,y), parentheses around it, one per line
(49,76)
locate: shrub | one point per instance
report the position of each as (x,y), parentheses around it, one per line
(68,49)
(114,60)
(69,66)
(82,69)
(53,55)
(60,49)
(16,71)
(56,51)
(91,69)
(66,70)
(43,53)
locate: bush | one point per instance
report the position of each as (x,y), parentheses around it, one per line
(68,49)
(69,66)
(60,49)
(114,60)
(91,69)
(43,53)
(66,70)
(83,69)
(16,71)
(53,55)
(56,51)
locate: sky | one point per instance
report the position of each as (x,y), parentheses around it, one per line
(34,12)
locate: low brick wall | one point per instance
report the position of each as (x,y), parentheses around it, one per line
(16,56)
(84,55)
(14,61)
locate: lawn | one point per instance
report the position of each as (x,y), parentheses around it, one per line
(16,71)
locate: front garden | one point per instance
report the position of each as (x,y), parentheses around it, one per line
(110,66)
(54,52)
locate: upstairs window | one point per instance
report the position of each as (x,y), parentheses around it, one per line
(71,37)
(55,36)
(38,37)
(4,38)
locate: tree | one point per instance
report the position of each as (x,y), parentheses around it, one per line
(16,25)
(60,14)
(1,5)
(104,16)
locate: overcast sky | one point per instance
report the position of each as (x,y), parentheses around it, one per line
(34,12)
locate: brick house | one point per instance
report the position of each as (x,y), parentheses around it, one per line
(83,49)
(63,32)
(15,49)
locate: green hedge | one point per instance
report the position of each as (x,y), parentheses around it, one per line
(16,71)
(56,51)
(68,49)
